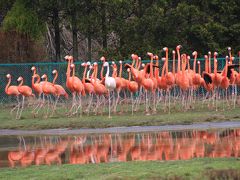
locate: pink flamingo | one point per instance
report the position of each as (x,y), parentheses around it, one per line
(37,87)
(25,91)
(89,89)
(48,90)
(12,91)
(59,90)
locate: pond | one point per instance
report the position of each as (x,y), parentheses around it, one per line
(115,147)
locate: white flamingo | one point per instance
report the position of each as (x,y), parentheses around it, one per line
(110,84)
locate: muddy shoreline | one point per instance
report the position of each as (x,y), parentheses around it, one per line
(66,131)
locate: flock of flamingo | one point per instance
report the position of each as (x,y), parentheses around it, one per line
(84,149)
(144,85)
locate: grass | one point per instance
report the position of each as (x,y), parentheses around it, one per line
(177,116)
(192,169)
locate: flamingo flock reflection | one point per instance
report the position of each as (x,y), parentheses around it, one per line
(149,85)
(157,146)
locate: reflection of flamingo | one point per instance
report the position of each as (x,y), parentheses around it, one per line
(12,91)
(25,91)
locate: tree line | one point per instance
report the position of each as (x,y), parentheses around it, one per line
(34,30)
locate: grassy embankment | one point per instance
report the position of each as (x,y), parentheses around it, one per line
(197,115)
(192,169)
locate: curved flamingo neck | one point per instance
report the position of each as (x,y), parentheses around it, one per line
(210,69)
(178,53)
(166,61)
(137,61)
(21,83)
(84,74)
(101,70)
(33,80)
(174,63)
(215,64)
(194,63)
(129,75)
(163,69)
(120,70)
(8,84)
(156,70)
(199,68)
(96,72)
(151,67)
(68,69)
(139,64)
(55,78)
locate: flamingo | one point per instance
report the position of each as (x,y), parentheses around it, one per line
(225,81)
(110,84)
(12,91)
(48,90)
(132,87)
(25,91)
(59,90)
(89,89)
(37,87)
(78,88)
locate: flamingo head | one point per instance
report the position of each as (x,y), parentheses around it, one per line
(173,52)
(88,63)
(84,64)
(20,78)
(8,76)
(128,69)
(90,67)
(229,48)
(113,63)
(156,57)
(133,56)
(33,68)
(54,71)
(150,54)
(120,62)
(209,53)
(44,76)
(215,53)
(72,66)
(103,59)
(188,58)
(94,64)
(198,62)
(194,53)
(143,65)
(66,57)
(70,58)
(165,49)
(178,47)
(164,59)
(233,58)
(205,56)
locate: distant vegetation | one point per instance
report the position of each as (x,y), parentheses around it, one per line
(34,30)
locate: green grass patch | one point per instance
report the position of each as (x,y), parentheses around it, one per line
(177,116)
(192,169)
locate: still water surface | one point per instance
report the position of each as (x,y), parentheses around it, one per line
(98,148)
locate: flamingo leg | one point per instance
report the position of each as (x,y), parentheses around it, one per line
(20,113)
(41,104)
(90,103)
(55,105)
(109,105)
(15,107)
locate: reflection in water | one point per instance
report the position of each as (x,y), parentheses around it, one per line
(85,149)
